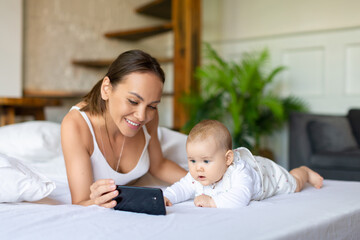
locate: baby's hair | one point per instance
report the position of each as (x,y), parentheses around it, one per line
(211,128)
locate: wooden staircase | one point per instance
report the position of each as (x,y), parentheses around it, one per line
(185,23)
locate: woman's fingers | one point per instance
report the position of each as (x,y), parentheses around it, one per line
(103,191)
(100,187)
(106,198)
(110,204)
(101,182)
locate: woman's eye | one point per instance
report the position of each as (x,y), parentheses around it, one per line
(152,107)
(132,102)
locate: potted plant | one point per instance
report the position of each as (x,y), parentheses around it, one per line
(239,95)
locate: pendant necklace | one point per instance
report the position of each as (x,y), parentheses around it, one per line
(112,149)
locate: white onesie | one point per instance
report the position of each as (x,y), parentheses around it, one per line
(248,178)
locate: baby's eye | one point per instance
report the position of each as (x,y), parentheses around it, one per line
(206,161)
(132,102)
(192,161)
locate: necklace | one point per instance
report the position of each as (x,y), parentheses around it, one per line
(112,149)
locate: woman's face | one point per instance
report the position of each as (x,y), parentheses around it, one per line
(133,102)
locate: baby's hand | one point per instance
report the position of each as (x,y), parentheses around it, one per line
(204,201)
(167,202)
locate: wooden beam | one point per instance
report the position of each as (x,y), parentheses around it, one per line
(187,42)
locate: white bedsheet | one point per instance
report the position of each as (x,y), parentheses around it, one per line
(332,212)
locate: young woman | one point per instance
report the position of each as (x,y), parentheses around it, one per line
(110,138)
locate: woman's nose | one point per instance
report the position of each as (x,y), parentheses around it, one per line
(140,114)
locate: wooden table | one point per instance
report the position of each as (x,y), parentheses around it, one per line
(31,106)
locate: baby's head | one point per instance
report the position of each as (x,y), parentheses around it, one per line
(209,151)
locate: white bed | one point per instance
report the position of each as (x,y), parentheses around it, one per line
(332,212)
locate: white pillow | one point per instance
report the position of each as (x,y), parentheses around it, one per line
(35,140)
(173,145)
(20,183)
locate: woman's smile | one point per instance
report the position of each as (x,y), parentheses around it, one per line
(132,124)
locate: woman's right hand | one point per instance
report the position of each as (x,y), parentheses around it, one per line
(102,193)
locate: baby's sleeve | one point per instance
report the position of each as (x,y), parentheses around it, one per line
(181,190)
(240,193)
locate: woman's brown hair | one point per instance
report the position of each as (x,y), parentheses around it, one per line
(126,63)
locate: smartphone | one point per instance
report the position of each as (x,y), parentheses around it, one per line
(140,199)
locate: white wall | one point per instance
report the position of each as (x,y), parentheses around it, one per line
(319,42)
(256,18)
(10,48)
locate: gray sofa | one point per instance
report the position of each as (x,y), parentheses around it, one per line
(329,144)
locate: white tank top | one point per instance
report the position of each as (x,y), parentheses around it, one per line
(102,169)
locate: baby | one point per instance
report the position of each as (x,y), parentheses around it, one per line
(225,178)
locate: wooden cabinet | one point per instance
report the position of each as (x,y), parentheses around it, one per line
(12,107)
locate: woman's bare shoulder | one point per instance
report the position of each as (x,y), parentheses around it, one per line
(75,128)
(73,117)
(74,123)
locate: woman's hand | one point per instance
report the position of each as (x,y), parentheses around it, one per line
(204,201)
(102,193)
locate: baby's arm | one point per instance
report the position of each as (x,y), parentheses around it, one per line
(179,191)
(240,193)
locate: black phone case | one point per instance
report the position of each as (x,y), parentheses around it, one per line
(140,200)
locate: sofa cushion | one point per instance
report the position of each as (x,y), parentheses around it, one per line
(354,119)
(331,135)
(349,160)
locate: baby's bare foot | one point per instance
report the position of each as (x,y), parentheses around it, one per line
(314,178)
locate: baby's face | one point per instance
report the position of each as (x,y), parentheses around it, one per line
(207,162)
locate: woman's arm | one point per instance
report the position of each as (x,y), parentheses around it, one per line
(160,167)
(76,141)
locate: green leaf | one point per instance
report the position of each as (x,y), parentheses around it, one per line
(238,93)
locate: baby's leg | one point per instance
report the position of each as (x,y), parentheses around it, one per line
(303,175)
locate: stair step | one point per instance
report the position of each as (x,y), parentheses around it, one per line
(140,33)
(93,63)
(157,8)
(104,63)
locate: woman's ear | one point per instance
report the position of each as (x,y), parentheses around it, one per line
(105,88)
(229,156)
